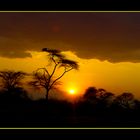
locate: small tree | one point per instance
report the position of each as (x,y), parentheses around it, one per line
(43,78)
(90,93)
(11,81)
(125,100)
(104,95)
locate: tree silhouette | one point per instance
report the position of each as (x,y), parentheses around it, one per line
(98,99)
(125,100)
(11,79)
(104,96)
(11,83)
(90,93)
(43,78)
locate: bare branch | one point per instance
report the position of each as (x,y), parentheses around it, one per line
(11,79)
(58,78)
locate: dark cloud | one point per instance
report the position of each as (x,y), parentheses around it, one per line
(15,54)
(106,36)
(13,48)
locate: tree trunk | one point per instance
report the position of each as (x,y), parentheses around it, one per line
(47,95)
(47,99)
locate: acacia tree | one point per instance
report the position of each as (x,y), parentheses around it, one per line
(11,80)
(43,78)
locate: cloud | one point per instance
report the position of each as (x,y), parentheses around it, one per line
(15,54)
(105,36)
(13,48)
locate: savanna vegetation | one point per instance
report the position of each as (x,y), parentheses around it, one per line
(96,108)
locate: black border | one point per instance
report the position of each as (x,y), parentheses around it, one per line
(51,5)
(69,5)
(70,134)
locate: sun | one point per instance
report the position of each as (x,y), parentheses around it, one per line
(72,91)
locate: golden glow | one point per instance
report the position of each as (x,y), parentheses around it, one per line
(114,77)
(72,91)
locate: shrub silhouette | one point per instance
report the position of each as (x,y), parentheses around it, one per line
(90,93)
(96,104)
(125,101)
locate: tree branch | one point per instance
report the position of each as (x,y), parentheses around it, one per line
(53,60)
(58,78)
(69,69)
(51,75)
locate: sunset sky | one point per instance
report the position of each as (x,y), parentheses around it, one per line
(106,46)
